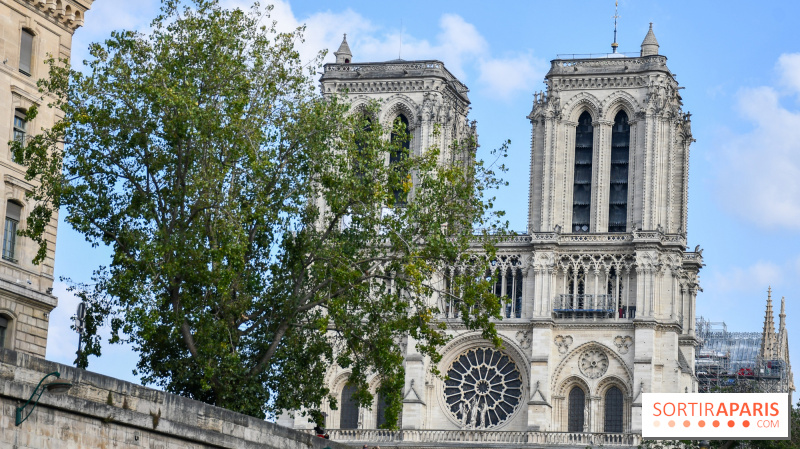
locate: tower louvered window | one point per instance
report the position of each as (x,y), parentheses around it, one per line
(401,142)
(582,183)
(618,192)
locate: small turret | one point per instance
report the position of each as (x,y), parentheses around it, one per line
(650,44)
(343,55)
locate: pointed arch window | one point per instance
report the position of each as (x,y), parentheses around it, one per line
(361,144)
(401,141)
(582,181)
(381,418)
(618,191)
(349,409)
(577,405)
(613,410)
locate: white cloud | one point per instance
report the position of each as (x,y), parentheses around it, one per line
(507,76)
(789,68)
(759,170)
(458,44)
(753,278)
(62,342)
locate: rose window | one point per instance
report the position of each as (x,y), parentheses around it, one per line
(483,389)
(593,363)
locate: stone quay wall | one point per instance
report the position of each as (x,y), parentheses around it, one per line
(103,412)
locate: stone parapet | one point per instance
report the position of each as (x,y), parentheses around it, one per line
(100,411)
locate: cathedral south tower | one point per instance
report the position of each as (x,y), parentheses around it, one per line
(611,287)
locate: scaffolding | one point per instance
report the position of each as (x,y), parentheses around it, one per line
(730,362)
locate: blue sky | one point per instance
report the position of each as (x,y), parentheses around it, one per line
(739,64)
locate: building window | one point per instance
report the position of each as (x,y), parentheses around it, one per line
(577,405)
(613,415)
(349,409)
(483,389)
(381,419)
(20,123)
(13,212)
(618,192)
(401,141)
(582,183)
(26,52)
(3,330)
(361,148)
(513,296)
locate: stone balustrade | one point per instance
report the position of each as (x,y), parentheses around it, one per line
(426,437)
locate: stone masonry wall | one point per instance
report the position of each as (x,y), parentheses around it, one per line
(103,412)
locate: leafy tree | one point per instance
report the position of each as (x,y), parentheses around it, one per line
(254,232)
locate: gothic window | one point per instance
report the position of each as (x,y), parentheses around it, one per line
(25,52)
(358,164)
(20,123)
(513,297)
(381,419)
(349,409)
(614,289)
(13,212)
(577,405)
(582,183)
(613,412)
(618,191)
(401,141)
(451,297)
(483,388)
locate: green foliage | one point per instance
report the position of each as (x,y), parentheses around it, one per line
(253,228)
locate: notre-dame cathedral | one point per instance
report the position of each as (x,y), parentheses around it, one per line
(599,294)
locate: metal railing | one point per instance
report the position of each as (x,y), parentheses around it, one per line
(584,303)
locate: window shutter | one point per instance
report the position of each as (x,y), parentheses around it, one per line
(13,211)
(25,52)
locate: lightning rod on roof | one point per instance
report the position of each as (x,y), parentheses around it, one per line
(614,45)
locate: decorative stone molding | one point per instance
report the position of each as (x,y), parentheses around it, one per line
(623,343)
(524,339)
(593,363)
(563,342)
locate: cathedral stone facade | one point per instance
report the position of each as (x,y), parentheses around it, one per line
(599,294)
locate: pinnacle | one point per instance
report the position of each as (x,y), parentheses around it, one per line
(650,43)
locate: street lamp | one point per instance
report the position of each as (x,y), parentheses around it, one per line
(55,387)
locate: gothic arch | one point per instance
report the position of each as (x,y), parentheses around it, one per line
(617,366)
(572,381)
(613,381)
(619,101)
(400,104)
(459,345)
(358,105)
(474,340)
(583,101)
